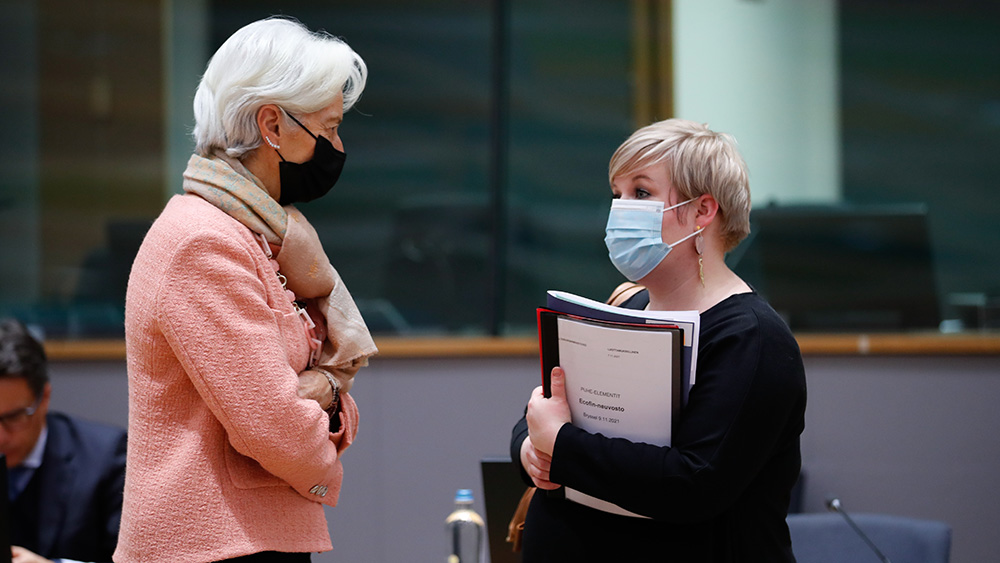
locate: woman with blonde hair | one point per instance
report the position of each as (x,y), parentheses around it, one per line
(721,491)
(242,340)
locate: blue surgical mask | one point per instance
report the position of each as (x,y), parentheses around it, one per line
(634,240)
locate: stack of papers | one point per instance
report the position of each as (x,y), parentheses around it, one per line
(628,372)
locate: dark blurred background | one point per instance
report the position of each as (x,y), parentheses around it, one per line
(478,153)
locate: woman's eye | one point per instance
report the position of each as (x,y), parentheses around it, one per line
(641,193)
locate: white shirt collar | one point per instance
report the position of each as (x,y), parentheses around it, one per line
(34,459)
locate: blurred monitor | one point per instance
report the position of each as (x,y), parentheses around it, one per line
(843,267)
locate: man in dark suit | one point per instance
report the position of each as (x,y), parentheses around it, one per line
(66,475)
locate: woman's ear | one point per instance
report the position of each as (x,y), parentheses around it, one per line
(706,208)
(269,123)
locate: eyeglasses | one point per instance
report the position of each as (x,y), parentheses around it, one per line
(17,420)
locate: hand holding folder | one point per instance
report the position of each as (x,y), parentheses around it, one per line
(621,379)
(620,374)
(548,411)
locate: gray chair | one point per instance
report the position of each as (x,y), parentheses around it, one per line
(828,538)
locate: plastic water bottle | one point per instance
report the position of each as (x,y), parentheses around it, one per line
(465,530)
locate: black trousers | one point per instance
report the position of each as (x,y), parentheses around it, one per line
(271,557)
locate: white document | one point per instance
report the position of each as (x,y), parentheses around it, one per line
(688,321)
(619,384)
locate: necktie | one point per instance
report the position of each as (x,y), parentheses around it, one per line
(17,480)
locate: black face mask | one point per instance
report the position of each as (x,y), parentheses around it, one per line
(313,179)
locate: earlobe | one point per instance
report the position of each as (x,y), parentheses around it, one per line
(705,210)
(268,123)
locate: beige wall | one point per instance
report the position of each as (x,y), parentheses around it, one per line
(767,73)
(914,436)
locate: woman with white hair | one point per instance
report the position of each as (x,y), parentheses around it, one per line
(242,340)
(720,492)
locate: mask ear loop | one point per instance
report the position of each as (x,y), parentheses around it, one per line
(299,123)
(302,126)
(676,205)
(699,241)
(275,147)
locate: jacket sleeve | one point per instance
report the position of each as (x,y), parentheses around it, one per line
(738,412)
(343,430)
(214,312)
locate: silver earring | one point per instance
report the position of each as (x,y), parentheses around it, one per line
(273,146)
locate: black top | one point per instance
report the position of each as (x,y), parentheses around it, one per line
(721,492)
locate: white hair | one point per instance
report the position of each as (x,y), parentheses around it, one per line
(271,61)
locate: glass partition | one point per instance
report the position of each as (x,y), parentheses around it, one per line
(476,176)
(920,99)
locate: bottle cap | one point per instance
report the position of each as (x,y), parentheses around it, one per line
(463,495)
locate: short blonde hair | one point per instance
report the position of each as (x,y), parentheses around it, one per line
(699,161)
(271,61)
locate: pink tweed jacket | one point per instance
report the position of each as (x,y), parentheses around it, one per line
(224,458)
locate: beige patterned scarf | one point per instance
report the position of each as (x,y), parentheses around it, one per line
(227,184)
